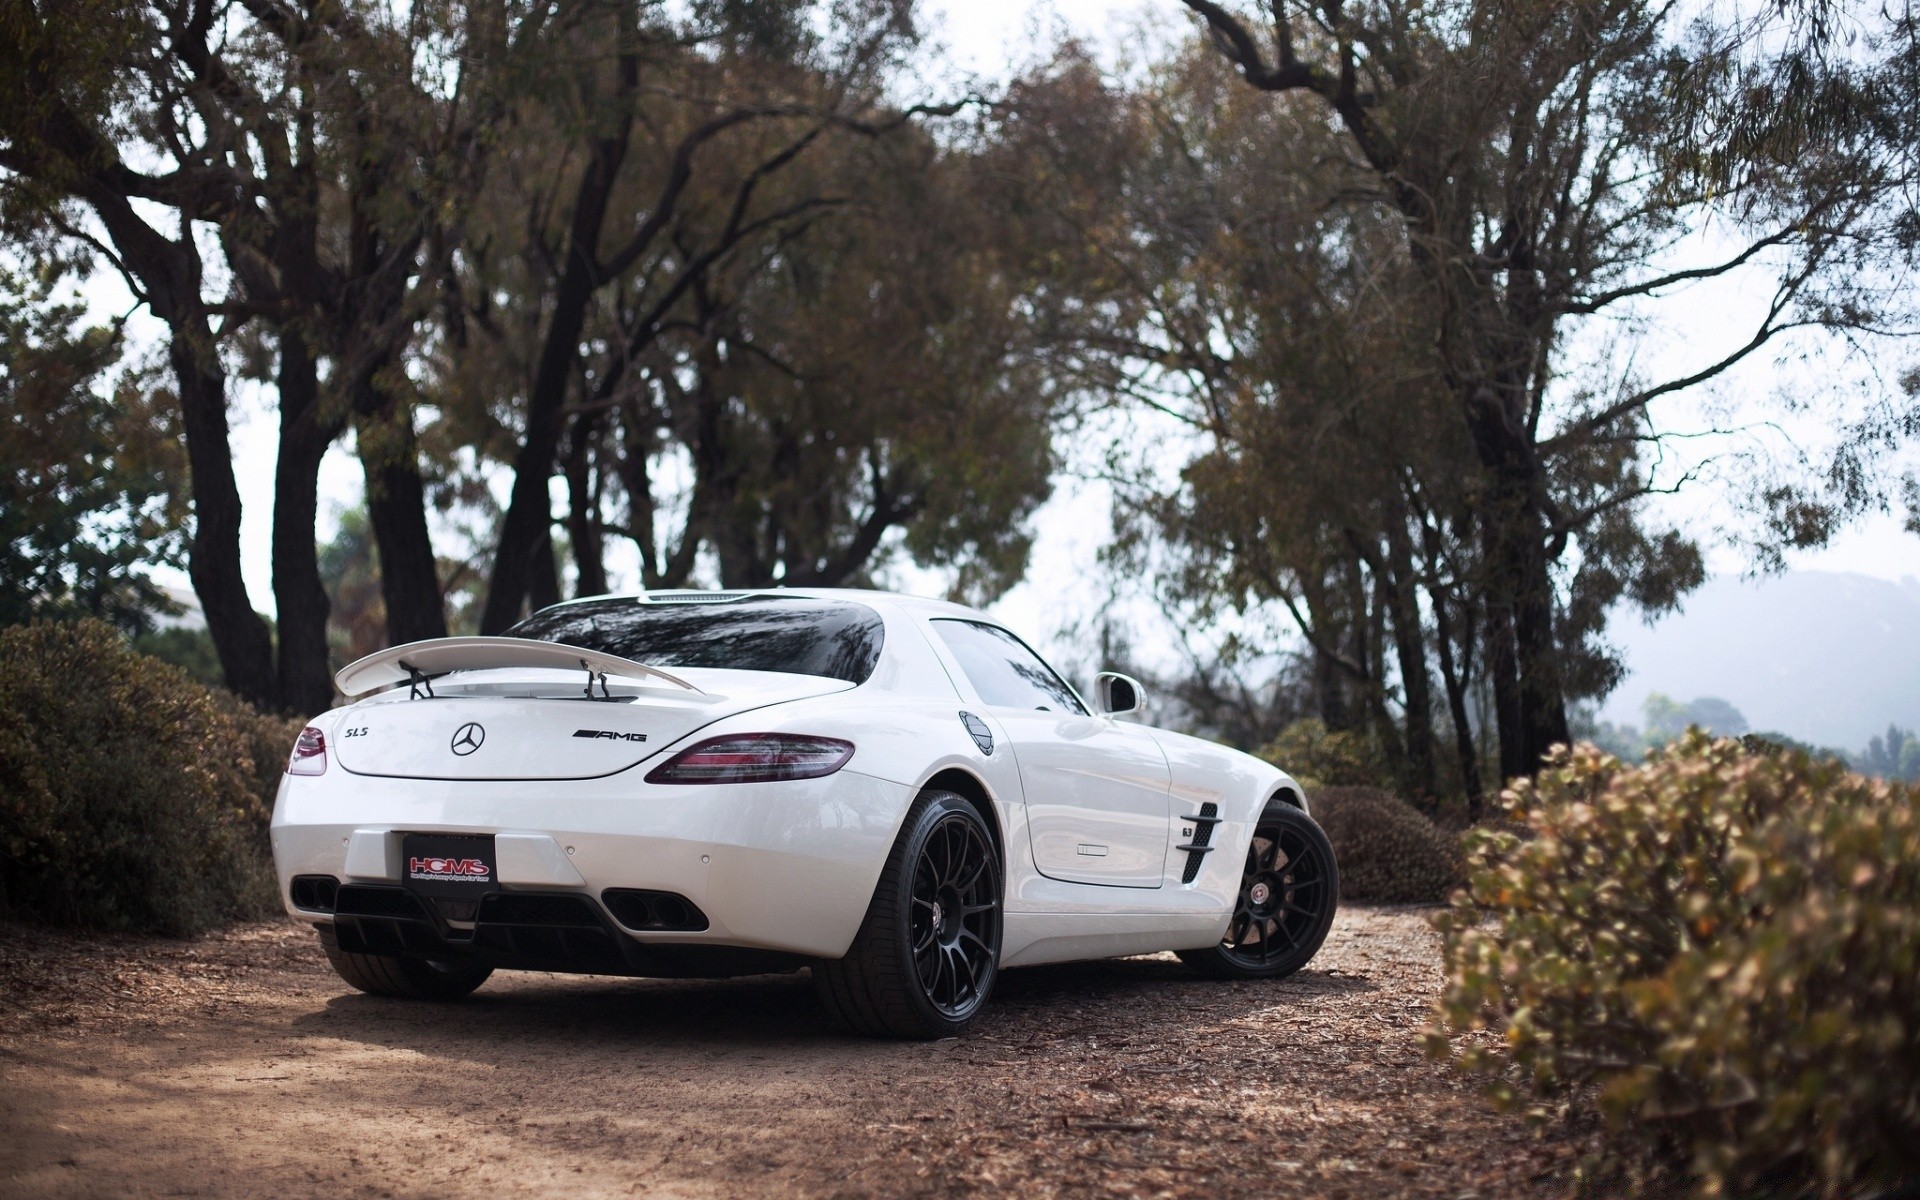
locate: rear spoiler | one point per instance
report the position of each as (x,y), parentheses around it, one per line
(419,663)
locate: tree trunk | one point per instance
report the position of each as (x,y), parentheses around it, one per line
(1522,656)
(241,638)
(543,588)
(529,518)
(1503,670)
(306,680)
(170,274)
(1410,651)
(1543,701)
(397,514)
(1386,733)
(583,509)
(730,521)
(1454,679)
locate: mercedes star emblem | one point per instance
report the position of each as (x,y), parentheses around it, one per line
(468,737)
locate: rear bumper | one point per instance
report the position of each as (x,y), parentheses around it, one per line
(784,867)
(525,932)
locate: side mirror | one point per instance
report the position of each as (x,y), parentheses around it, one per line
(1116,693)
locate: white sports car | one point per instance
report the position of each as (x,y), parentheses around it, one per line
(895,792)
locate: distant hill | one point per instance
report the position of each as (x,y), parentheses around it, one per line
(1826,658)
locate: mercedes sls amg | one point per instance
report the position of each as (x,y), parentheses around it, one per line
(897,793)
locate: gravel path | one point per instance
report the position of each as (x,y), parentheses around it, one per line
(238,1065)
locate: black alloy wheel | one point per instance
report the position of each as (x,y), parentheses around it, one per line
(1289,889)
(955,916)
(925,959)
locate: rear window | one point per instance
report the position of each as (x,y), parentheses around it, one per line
(832,638)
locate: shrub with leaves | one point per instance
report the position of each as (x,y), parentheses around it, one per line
(1720,949)
(131,797)
(1387,851)
(1320,757)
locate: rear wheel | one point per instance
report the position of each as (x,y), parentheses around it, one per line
(1289,889)
(926,957)
(403,975)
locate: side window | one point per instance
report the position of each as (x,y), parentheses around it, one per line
(1003,670)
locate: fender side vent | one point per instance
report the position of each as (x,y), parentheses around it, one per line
(1197,850)
(979,731)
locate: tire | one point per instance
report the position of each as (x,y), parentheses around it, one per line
(925,960)
(402,975)
(1289,890)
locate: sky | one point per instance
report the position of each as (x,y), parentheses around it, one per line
(988,39)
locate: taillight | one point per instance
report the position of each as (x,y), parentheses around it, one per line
(309,753)
(754,758)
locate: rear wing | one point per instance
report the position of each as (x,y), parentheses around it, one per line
(419,663)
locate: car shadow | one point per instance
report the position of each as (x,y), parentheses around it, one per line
(752,1015)
(770,1010)
(1115,978)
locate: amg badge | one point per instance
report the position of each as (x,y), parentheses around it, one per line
(616,735)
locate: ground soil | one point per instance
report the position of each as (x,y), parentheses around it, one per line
(238,1064)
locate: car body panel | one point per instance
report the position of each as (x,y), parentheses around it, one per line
(1098,798)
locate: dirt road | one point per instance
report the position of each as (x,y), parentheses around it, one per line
(238,1065)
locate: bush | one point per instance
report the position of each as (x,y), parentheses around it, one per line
(1386,850)
(1321,758)
(131,797)
(1721,949)
(192,650)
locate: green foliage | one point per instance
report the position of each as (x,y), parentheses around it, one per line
(85,494)
(1772,742)
(1387,851)
(1894,756)
(350,569)
(192,650)
(1720,948)
(131,797)
(1321,758)
(1666,720)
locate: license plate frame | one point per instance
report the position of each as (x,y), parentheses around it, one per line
(462,866)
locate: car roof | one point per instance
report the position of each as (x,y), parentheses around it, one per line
(901,602)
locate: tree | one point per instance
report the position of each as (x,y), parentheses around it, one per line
(1357,281)
(61,101)
(1511,139)
(795,357)
(1893,756)
(1667,718)
(87,464)
(349,568)
(269,123)
(863,378)
(727,110)
(480,233)
(1235,274)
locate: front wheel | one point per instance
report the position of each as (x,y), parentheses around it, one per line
(1288,892)
(926,957)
